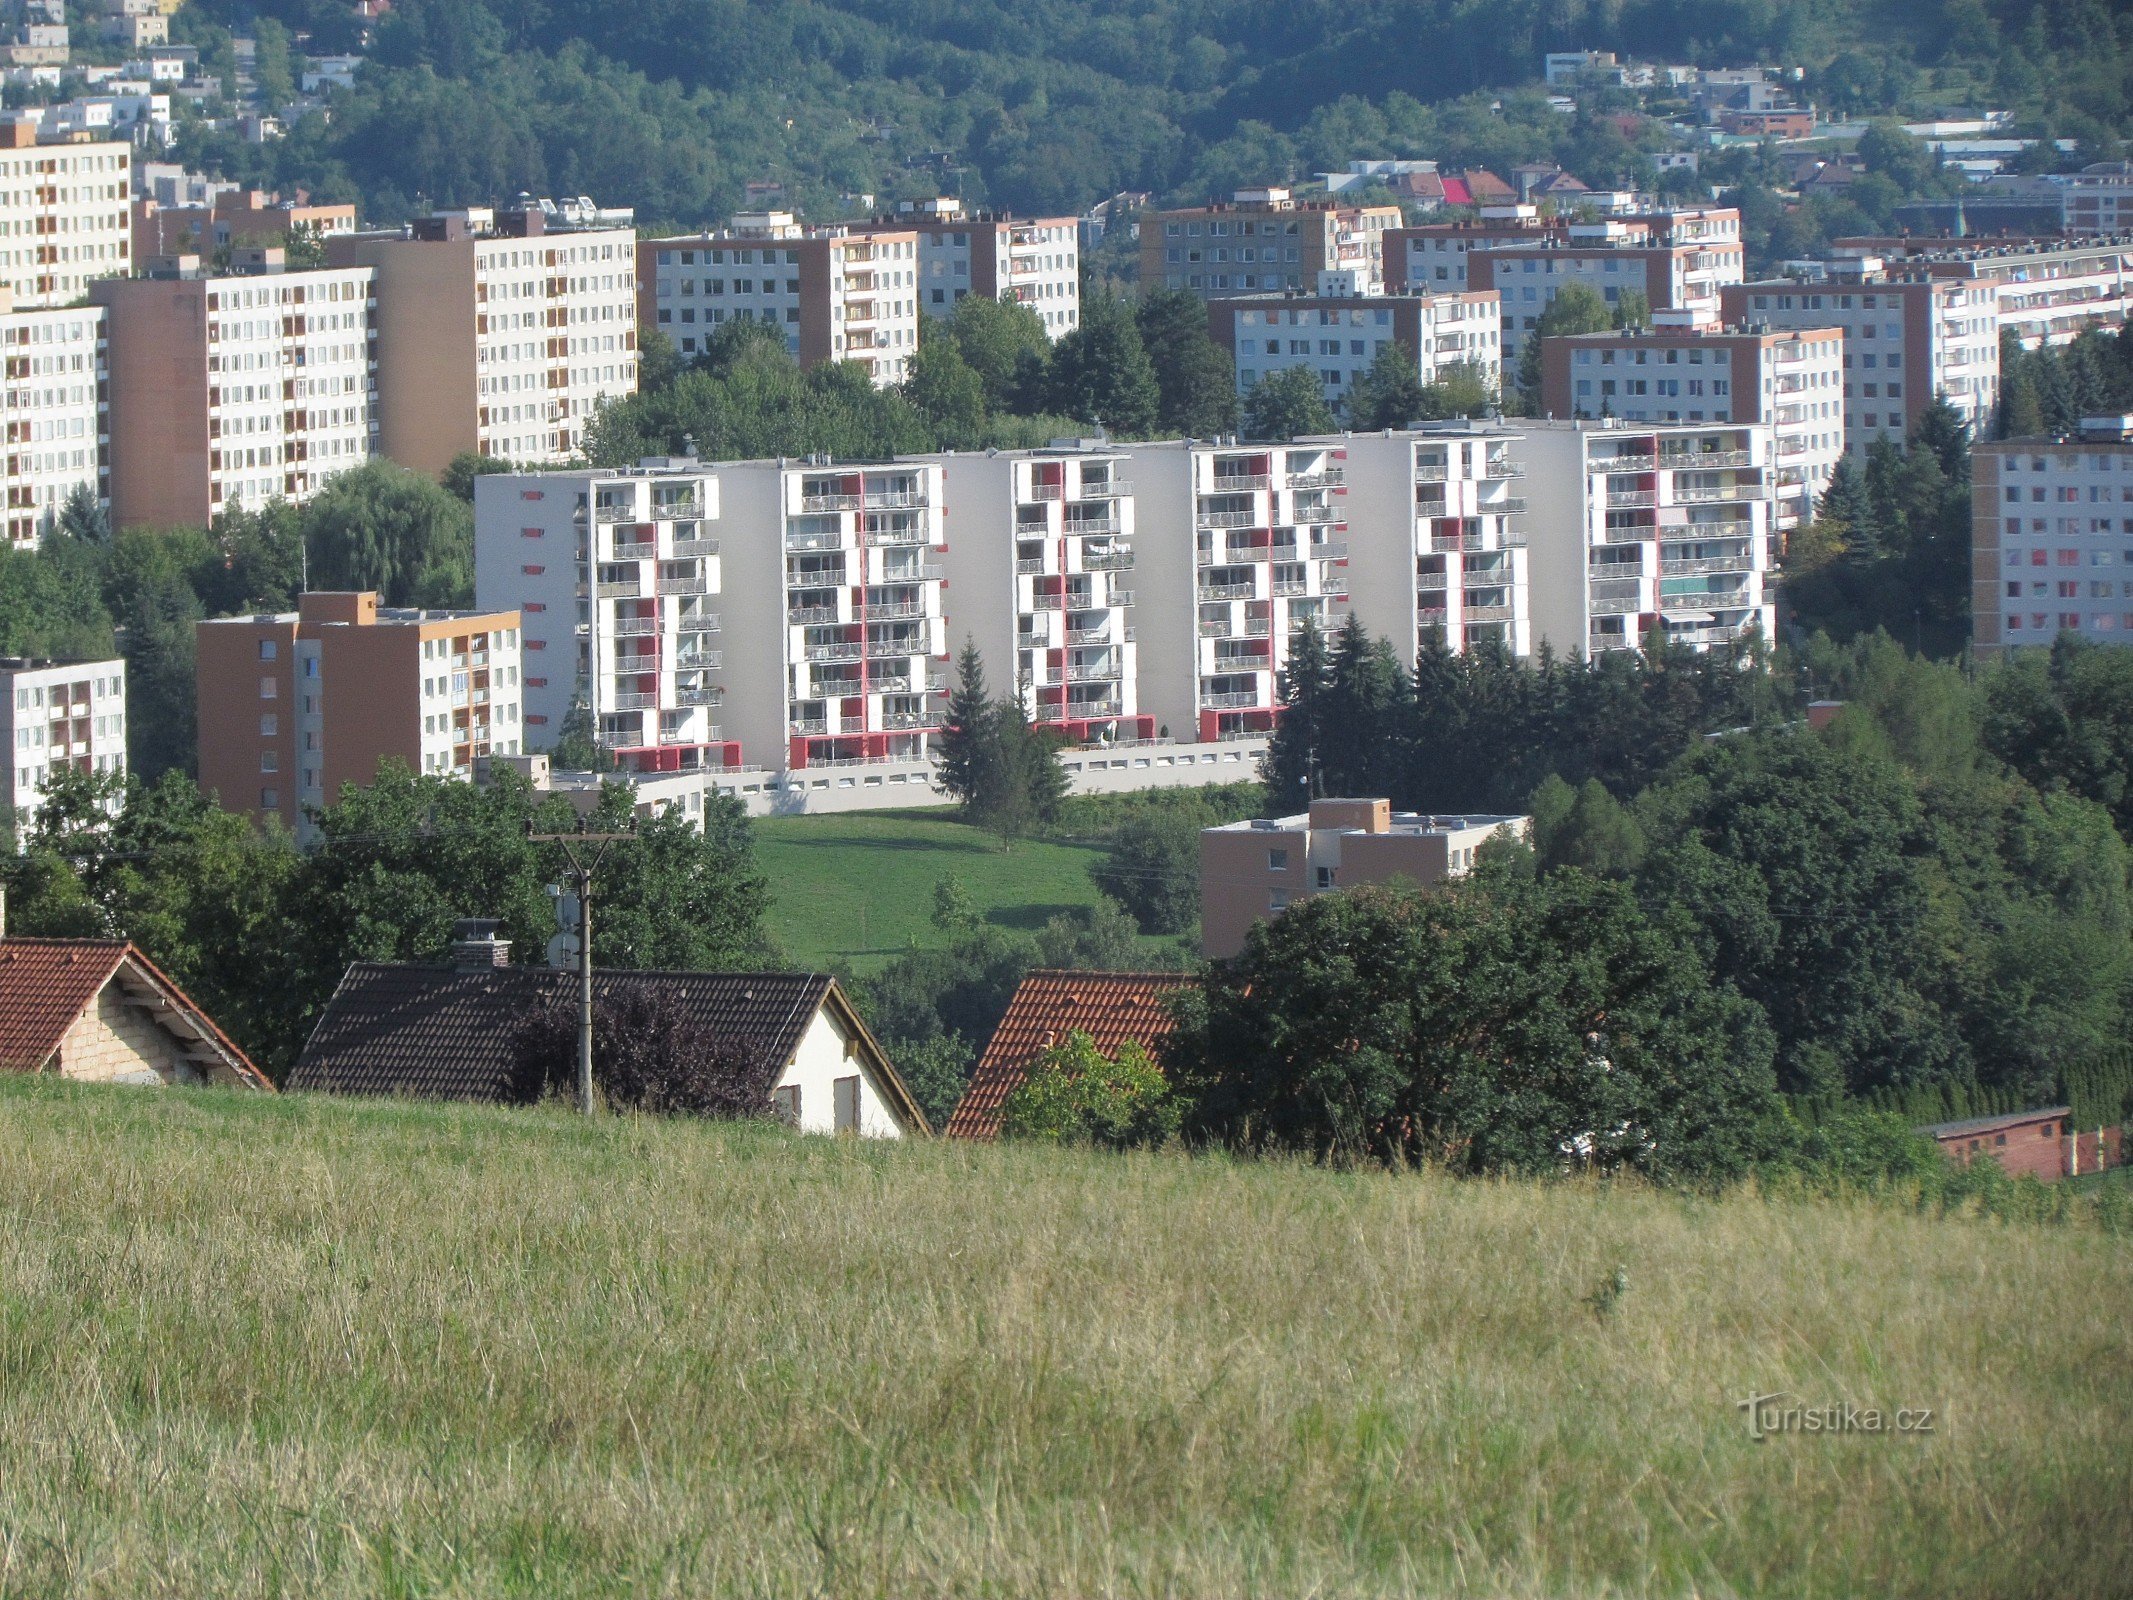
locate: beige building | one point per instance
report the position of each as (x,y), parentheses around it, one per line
(1250,871)
(1265,240)
(56,412)
(65,216)
(295,705)
(2052,537)
(835,293)
(499,332)
(235,389)
(1033,260)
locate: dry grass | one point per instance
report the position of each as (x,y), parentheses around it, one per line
(307,1348)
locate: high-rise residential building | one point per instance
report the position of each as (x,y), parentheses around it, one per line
(2052,537)
(1636,526)
(838,653)
(1437,537)
(295,705)
(1033,260)
(1338,336)
(57,414)
(617,576)
(1265,239)
(65,216)
(1616,257)
(1236,545)
(235,388)
(1793,380)
(62,716)
(1040,568)
(1436,256)
(835,293)
(2097,201)
(2045,291)
(500,331)
(1905,340)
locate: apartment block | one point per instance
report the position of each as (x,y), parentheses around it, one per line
(1252,871)
(616,575)
(1237,545)
(1634,526)
(1614,258)
(236,388)
(2097,201)
(2052,537)
(62,716)
(65,216)
(1793,380)
(56,405)
(837,294)
(1265,239)
(1905,340)
(1435,255)
(233,216)
(1437,538)
(1040,571)
(1338,336)
(295,705)
(500,332)
(1034,260)
(2046,291)
(837,646)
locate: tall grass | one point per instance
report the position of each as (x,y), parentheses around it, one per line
(310,1348)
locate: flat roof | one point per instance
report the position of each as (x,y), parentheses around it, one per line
(2012,1119)
(1408,822)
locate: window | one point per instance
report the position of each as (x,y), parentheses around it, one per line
(785,1104)
(267,649)
(270,799)
(267,689)
(269,761)
(269,726)
(1277,900)
(846,1095)
(1325,877)
(1277,861)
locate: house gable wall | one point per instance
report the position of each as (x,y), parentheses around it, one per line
(828,1051)
(115,1041)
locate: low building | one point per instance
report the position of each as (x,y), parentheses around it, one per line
(449,1033)
(61,716)
(294,705)
(98,1011)
(2043,1144)
(1776,122)
(1112,1008)
(1336,337)
(2097,200)
(1250,871)
(2052,537)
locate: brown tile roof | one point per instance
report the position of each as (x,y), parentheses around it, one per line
(1110,1007)
(46,984)
(437,1033)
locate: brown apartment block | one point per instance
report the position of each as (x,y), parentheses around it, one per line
(294,705)
(1264,239)
(497,334)
(238,216)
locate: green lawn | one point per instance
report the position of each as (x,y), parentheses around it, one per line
(858,889)
(267,1347)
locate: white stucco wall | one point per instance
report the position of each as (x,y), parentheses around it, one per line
(815,1068)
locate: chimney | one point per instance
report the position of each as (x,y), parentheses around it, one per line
(475,946)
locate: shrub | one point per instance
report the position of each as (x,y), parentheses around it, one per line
(1077,1094)
(649,1054)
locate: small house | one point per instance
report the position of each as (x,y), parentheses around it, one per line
(98,1011)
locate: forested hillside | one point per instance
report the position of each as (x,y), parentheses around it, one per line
(673,105)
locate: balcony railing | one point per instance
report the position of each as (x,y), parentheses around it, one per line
(1691,461)
(1242,483)
(632,627)
(1029,564)
(845,650)
(1103,635)
(905,721)
(1109,672)
(1111,489)
(1228,519)
(1432,582)
(829,502)
(1696,564)
(801,615)
(633,702)
(1110,561)
(1311,516)
(1490,614)
(635,552)
(606,513)
(1623,463)
(1704,497)
(1325,479)
(891,609)
(816,541)
(1229,591)
(695,547)
(619,591)
(894,499)
(1503,467)
(1613,608)
(1511,505)
(1716,600)
(1229,702)
(1431,472)
(684,586)
(1631,499)
(1087,527)
(1615,589)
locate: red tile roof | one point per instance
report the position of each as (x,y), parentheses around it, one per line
(46,984)
(1457,193)
(1110,1007)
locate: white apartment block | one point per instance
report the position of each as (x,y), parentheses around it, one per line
(1035,260)
(1437,538)
(66,216)
(1040,563)
(1632,526)
(237,389)
(2046,290)
(1905,340)
(1338,336)
(1685,278)
(837,646)
(498,333)
(62,716)
(836,294)
(1237,546)
(57,416)
(2052,537)
(616,575)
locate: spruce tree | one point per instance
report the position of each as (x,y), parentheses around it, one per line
(1297,751)
(967,735)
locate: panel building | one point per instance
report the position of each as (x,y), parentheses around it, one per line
(65,216)
(57,410)
(1035,261)
(294,705)
(1336,337)
(2052,537)
(1265,240)
(62,716)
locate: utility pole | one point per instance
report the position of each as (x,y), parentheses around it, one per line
(583,867)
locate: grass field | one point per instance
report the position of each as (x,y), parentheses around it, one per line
(261,1348)
(858,889)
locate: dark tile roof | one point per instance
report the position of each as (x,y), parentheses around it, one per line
(46,984)
(437,1033)
(2013,1119)
(1110,1007)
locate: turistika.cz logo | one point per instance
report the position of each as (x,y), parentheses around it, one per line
(1773,1414)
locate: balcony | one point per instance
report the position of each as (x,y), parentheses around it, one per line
(844,650)
(635,552)
(1691,461)
(683,586)
(612,513)
(906,721)
(1698,564)
(829,502)
(1089,527)
(1510,505)
(1432,582)
(894,499)
(1254,628)
(1500,467)
(799,616)
(1104,634)
(885,538)
(1241,484)
(1026,565)
(634,702)
(1228,519)
(892,609)
(1229,591)
(1312,516)
(1109,672)
(1329,478)
(1489,614)
(1109,561)
(817,541)
(684,548)
(700,660)
(1631,499)
(1713,600)
(1704,497)
(620,591)
(681,508)
(921,573)
(899,648)
(1229,702)
(632,627)
(1431,472)
(1613,608)
(1622,464)
(1108,489)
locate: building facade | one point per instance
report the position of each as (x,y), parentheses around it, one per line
(297,704)
(62,716)
(836,294)
(2045,291)
(235,389)
(1792,380)
(1040,572)
(1336,337)
(2052,538)
(616,575)
(499,333)
(1035,261)
(65,216)
(57,409)
(1612,258)
(1437,538)
(1265,240)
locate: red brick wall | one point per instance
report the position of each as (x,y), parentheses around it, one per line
(2028,1150)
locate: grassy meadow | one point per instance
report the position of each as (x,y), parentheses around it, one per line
(857,890)
(305,1347)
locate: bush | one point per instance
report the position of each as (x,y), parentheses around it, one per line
(1153,870)
(1076,1094)
(649,1054)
